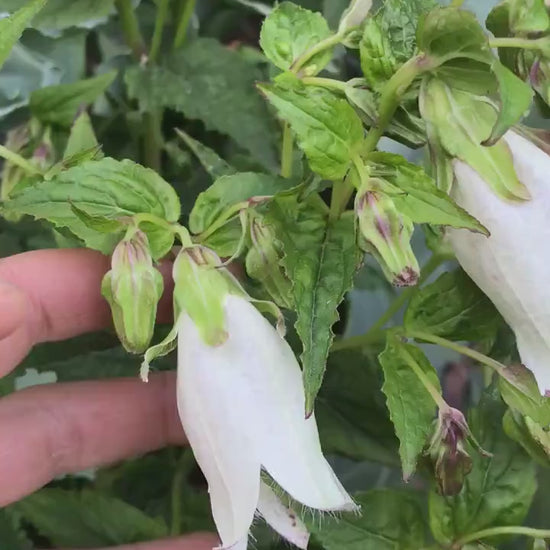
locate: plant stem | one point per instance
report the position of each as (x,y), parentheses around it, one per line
(152,139)
(18,160)
(391,96)
(516,42)
(287,151)
(130,27)
(183,25)
(463,350)
(375,333)
(329,83)
(341,194)
(325,44)
(507,530)
(183,467)
(160,21)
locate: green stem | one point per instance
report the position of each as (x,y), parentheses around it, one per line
(463,350)
(222,220)
(183,25)
(160,21)
(325,44)
(152,142)
(130,27)
(517,42)
(287,151)
(183,468)
(508,530)
(329,83)
(391,96)
(341,194)
(18,160)
(375,333)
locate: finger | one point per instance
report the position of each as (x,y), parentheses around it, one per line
(198,541)
(50,295)
(46,431)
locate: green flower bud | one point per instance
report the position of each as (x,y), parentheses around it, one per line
(387,234)
(133,288)
(263,263)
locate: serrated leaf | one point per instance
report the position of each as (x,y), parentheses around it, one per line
(453,307)
(87,519)
(210,160)
(534,440)
(211,83)
(12,27)
(351,410)
(107,188)
(289,31)
(327,128)
(60,104)
(411,407)
(377,60)
(389,520)
(320,258)
(498,490)
(416,195)
(230,190)
(82,139)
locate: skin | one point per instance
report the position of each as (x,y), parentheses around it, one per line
(56,429)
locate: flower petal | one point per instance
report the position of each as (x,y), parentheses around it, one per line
(281,518)
(217,428)
(286,443)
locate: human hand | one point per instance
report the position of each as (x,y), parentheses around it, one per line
(56,429)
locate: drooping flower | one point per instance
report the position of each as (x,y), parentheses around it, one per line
(242,405)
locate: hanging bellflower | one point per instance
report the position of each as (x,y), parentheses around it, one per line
(242,405)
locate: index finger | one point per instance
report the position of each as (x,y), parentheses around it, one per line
(48,295)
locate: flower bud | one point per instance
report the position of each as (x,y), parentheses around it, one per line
(387,233)
(263,263)
(133,288)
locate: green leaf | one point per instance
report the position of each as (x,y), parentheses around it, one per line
(351,410)
(88,519)
(12,27)
(209,82)
(81,139)
(389,520)
(416,195)
(377,60)
(210,160)
(412,408)
(60,104)
(321,258)
(534,440)
(107,188)
(11,534)
(453,307)
(290,31)
(499,489)
(528,16)
(327,128)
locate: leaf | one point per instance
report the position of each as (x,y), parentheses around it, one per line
(12,27)
(411,407)
(453,307)
(534,440)
(351,411)
(327,128)
(216,85)
(499,489)
(416,195)
(377,60)
(107,188)
(11,534)
(389,520)
(87,519)
(210,160)
(528,16)
(60,104)
(231,190)
(321,258)
(81,139)
(289,31)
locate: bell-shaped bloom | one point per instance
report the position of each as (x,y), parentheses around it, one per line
(512,265)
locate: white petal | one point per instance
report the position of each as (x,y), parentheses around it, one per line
(209,399)
(241,545)
(512,266)
(286,443)
(281,518)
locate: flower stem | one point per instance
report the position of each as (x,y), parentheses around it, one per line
(325,44)
(18,160)
(375,333)
(516,42)
(506,530)
(287,151)
(160,21)
(183,24)
(329,83)
(130,27)
(152,139)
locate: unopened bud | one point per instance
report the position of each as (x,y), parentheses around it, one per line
(387,233)
(133,288)
(263,263)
